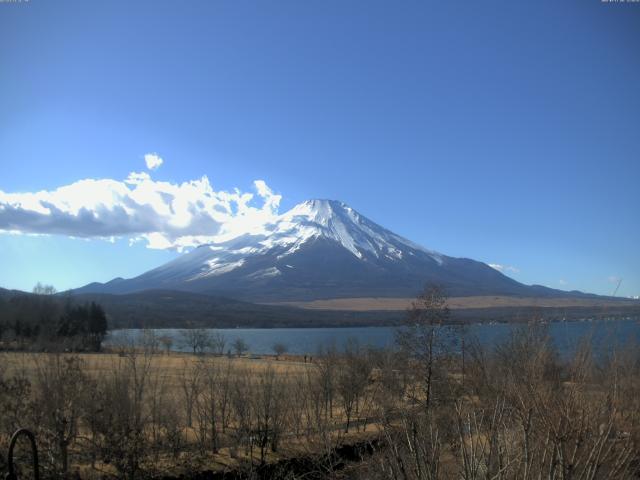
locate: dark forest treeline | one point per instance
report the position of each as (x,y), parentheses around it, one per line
(175,309)
(43,320)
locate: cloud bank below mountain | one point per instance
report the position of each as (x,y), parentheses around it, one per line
(165,215)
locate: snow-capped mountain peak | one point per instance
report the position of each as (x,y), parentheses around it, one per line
(317,210)
(311,221)
(336,221)
(318,249)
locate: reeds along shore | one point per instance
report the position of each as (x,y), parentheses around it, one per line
(517,410)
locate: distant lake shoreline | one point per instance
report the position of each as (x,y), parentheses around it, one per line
(308,340)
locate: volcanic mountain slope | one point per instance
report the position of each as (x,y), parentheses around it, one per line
(320,249)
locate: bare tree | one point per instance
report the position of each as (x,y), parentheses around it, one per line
(197,339)
(327,363)
(92,414)
(167,342)
(414,448)
(190,384)
(225,378)
(171,427)
(279,349)
(41,289)
(269,407)
(241,394)
(218,343)
(157,403)
(15,392)
(210,404)
(122,416)
(544,418)
(424,337)
(58,391)
(352,381)
(240,346)
(149,341)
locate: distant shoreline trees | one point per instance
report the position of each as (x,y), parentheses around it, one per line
(45,321)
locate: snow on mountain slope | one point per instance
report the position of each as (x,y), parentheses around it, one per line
(339,222)
(318,249)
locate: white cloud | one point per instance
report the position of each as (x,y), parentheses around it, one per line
(153,161)
(562,282)
(163,214)
(504,268)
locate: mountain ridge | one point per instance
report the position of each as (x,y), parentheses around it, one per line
(320,249)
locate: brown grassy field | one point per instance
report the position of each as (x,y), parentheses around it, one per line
(168,365)
(455,303)
(165,378)
(145,414)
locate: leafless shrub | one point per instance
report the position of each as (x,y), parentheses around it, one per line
(196,339)
(15,407)
(269,405)
(240,346)
(279,349)
(218,343)
(208,404)
(190,385)
(122,416)
(58,389)
(353,378)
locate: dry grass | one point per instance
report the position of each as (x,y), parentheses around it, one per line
(168,370)
(396,304)
(169,366)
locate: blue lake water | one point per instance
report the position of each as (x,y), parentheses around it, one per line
(566,336)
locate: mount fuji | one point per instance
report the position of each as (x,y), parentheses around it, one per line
(320,249)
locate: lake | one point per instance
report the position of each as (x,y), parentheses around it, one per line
(566,335)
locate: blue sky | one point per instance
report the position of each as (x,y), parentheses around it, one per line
(506,132)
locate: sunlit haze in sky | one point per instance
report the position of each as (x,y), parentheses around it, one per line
(506,132)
